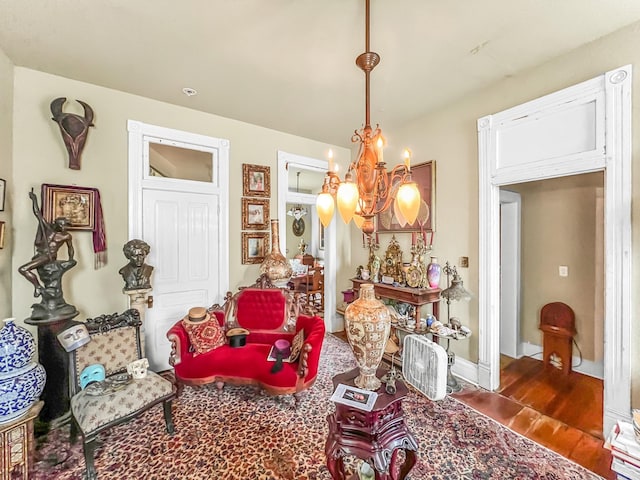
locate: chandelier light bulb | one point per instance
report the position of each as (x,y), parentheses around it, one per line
(330,160)
(358,219)
(396,211)
(325,207)
(347,200)
(408,199)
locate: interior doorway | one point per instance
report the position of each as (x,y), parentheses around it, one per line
(584,128)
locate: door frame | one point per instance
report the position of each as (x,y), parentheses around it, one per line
(330,258)
(510,218)
(139,163)
(604,106)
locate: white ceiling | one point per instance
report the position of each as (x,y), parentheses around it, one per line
(290,64)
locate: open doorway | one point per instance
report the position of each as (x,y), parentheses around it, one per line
(551,250)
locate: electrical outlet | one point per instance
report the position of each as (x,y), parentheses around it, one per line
(563,271)
(464,262)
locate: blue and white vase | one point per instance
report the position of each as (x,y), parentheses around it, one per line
(21,379)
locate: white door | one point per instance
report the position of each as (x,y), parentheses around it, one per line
(182,228)
(509,273)
(179,205)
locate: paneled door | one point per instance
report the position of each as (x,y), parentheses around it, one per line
(182,228)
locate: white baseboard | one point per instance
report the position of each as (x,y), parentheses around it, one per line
(587,367)
(466,370)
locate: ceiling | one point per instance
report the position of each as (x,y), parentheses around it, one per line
(289,65)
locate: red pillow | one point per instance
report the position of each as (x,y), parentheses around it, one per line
(204,335)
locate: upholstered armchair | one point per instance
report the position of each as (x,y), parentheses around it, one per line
(115,343)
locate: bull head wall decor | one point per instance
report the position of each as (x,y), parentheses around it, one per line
(74,129)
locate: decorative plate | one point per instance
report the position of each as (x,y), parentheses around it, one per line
(414,276)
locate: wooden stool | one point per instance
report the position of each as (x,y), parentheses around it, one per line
(557,322)
(18,445)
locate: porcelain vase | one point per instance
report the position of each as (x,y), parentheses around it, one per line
(367,322)
(433,273)
(21,379)
(275,265)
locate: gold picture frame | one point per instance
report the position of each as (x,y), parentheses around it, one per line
(255,246)
(424,174)
(77,204)
(256,180)
(255,214)
(2,226)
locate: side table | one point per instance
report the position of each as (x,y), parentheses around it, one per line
(18,445)
(376,436)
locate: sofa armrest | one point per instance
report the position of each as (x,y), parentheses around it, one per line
(313,337)
(180,343)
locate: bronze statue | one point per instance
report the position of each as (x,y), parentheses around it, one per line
(136,274)
(50,237)
(74,129)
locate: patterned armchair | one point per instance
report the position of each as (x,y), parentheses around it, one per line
(115,342)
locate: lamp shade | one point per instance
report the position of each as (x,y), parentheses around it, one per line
(408,199)
(347,200)
(456,291)
(325,207)
(396,211)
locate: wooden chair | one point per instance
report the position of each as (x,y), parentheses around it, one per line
(313,288)
(558,325)
(115,342)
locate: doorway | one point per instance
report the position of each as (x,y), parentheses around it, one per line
(585,128)
(178,204)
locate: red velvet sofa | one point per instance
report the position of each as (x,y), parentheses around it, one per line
(269,314)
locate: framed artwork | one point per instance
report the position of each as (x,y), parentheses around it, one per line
(2,224)
(321,232)
(255,214)
(254,247)
(424,175)
(77,204)
(256,180)
(354,397)
(3,189)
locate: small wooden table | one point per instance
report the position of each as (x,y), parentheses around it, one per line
(18,445)
(375,436)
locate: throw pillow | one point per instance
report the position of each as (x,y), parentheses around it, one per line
(204,335)
(296,346)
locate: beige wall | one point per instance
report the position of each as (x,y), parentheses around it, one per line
(6,173)
(39,157)
(558,224)
(450,137)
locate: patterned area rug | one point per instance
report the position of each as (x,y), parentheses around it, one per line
(237,433)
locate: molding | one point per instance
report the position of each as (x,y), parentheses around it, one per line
(466,370)
(587,367)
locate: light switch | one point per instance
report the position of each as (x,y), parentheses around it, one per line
(563,271)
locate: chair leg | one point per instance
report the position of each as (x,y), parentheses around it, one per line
(168,417)
(89,449)
(73,430)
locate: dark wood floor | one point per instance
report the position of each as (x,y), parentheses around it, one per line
(562,413)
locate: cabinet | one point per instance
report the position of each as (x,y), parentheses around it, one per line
(413,296)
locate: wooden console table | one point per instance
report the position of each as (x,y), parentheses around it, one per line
(413,296)
(376,436)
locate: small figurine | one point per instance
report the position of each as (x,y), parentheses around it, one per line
(136,274)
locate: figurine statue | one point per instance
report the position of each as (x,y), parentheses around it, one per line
(50,237)
(136,273)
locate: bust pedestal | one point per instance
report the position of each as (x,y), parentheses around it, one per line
(139,299)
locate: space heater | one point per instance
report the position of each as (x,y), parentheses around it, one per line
(424,366)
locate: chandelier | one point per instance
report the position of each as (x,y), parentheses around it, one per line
(368,189)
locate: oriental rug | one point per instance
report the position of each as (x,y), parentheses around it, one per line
(240,434)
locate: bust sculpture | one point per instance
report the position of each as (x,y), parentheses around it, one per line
(136,274)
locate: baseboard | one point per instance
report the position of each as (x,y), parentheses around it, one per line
(587,367)
(466,370)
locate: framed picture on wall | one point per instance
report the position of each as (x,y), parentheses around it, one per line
(77,204)
(424,175)
(2,224)
(255,246)
(255,214)
(256,180)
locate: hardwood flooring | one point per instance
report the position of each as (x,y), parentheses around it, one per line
(563,413)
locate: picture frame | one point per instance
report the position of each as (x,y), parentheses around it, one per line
(77,204)
(255,214)
(255,246)
(256,180)
(424,174)
(354,397)
(2,225)
(3,193)
(321,235)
